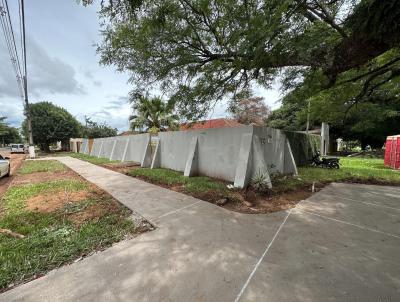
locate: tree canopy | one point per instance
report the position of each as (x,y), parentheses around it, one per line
(153,114)
(250,111)
(93,129)
(353,109)
(51,124)
(198,51)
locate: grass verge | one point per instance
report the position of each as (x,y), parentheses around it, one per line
(60,221)
(91,159)
(31,166)
(286,191)
(356,170)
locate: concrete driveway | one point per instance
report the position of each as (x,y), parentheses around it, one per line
(342,244)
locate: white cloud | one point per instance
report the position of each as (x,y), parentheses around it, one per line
(46,74)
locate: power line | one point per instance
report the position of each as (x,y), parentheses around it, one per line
(9,36)
(13,37)
(6,24)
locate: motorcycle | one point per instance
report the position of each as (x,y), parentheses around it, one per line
(331,163)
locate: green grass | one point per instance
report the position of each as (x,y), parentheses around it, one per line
(367,170)
(168,177)
(91,159)
(52,239)
(14,199)
(352,169)
(32,166)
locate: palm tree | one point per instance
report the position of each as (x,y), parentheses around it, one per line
(153,113)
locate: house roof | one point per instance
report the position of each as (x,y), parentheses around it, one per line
(208,124)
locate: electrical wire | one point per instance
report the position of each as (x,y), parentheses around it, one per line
(6,25)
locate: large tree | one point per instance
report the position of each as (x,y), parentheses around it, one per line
(198,51)
(354,111)
(51,124)
(92,129)
(153,114)
(8,134)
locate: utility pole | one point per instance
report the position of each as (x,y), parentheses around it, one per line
(27,109)
(308,116)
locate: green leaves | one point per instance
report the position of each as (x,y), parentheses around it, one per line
(50,124)
(153,113)
(92,129)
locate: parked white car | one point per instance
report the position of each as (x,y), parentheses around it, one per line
(17,148)
(4,166)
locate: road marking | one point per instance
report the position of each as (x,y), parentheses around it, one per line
(261,258)
(364,202)
(349,223)
(177,210)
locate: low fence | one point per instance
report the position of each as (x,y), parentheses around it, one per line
(232,154)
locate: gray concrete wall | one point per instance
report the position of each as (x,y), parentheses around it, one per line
(123,148)
(218,150)
(232,154)
(96,147)
(273,146)
(136,148)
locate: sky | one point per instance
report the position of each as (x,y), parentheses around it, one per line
(63,67)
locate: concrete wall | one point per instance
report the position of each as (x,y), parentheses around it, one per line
(218,150)
(123,148)
(85,146)
(232,154)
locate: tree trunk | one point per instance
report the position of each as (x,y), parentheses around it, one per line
(45,147)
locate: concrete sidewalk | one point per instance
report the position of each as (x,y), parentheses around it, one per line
(342,244)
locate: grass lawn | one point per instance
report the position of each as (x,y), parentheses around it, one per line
(60,221)
(359,170)
(168,177)
(32,166)
(91,159)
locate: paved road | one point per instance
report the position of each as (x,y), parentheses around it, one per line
(342,244)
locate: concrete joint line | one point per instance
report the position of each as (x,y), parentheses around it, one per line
(349,223)
(177,210)
(367,203)
(261,258)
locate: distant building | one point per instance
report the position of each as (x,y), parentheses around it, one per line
(208,124)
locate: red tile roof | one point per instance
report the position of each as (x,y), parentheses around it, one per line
(208,124)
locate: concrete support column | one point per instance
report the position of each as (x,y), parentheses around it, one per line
(242,174)
(324,139)
(125,150)
(156,162)
(289,165)
(113,148)
(146,159)
(258,163)
(192,160)
(101,148)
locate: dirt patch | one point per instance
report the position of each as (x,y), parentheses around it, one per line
(47,203)
(247,200)
(95,212)
(268,204)
(38,177)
